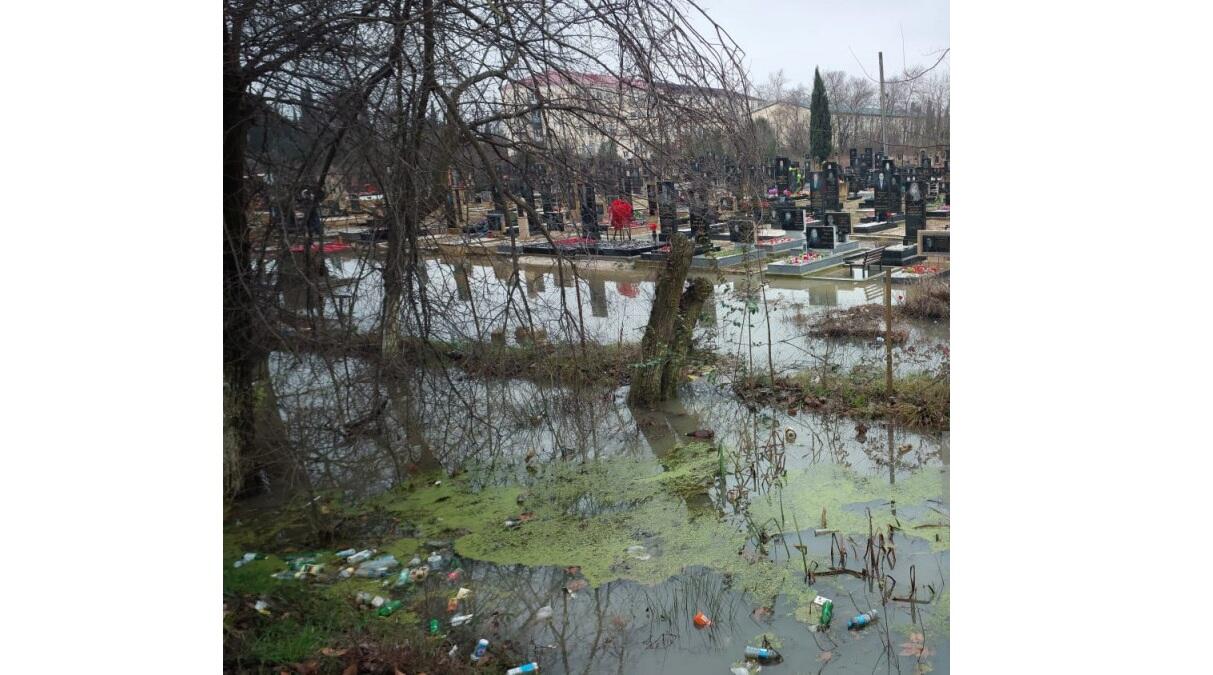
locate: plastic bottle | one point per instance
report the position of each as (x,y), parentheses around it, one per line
(405,578)
(433,626)
(434,561)
(361,556)
(827,612)
(862,620)
(460,619)
(346,553)
(481,647)
(388,607)
(759,653)
(531,667)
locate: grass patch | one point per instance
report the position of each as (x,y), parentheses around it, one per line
(927,299)
(920,400)
(865,322)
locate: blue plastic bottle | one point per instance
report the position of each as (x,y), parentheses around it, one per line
(758,653)
(531,667)
(862,620)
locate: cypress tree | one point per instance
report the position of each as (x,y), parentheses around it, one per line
(819,120)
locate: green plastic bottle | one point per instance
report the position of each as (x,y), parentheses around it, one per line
(388,607)
(433,626)
(827,611)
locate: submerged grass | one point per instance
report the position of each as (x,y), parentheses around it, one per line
(920,400)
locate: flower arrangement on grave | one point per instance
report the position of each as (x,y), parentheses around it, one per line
(804,258)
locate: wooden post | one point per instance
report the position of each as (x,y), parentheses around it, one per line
(888,332)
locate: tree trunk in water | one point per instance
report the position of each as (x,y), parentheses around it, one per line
(657,348)
(689,308)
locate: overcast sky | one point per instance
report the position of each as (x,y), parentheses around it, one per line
(798,35)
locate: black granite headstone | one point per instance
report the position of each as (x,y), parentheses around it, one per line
(651,192)
(589,212)
(821,236)
(840,220)
(789,217)
(937,243)
(782,166)
(829,178)
(916,205)
(667,209)
(816,193)
(741,231)
(853,160)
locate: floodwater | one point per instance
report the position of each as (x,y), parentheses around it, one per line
(780,465)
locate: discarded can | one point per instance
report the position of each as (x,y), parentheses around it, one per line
(531,667)
(481,647)
(863,620)
(433,626)
(451,605)
(761,654)
(346,553)
(701,620)
(301,562)
(827,609)
(460,619)
(388,607)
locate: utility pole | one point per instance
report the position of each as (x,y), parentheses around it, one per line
(884,148)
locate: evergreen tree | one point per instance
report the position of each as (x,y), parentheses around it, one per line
(819,121)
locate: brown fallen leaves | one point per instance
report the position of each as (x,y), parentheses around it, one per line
(916,647)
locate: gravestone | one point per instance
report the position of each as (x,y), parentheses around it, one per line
(788,217)
(916,211)
(829,178)
(667,208)
(589,212)
(840,220)
(935,241)
(887,198)
(781,169)
(853,160)
(741,231)
(823,236)
(699,220)
(883,188)
(651,193)
(816,193)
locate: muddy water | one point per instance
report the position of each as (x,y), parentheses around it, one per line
(611,301)
(781,471)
